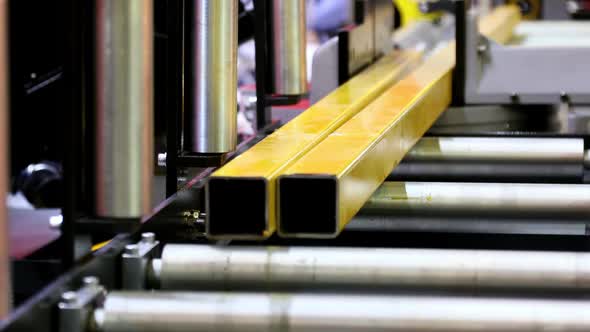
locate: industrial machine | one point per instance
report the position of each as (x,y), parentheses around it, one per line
(434,180)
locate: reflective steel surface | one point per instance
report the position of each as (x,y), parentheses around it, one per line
(289,42)
(124,109)
(201,267)
(184,312)
(211,114)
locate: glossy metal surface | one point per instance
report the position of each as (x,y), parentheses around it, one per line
(200,267)
(194,312)
(276,152)
(360,154)
(289,43)
(5,285)
(211,116)
(493,159)
(480,171)
(483,199)
(498,149)
(124,108)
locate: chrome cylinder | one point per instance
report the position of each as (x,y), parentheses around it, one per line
(200,267)
(289,45)
(494,159)
(482,199)
(194,312)
(498,150)
(124,108)
(475,171)
(211,114)
(5,285)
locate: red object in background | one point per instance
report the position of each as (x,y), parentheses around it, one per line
(29,230)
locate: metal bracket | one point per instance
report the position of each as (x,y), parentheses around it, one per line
(353,49)
(76,307)
(135,260)
(513,74)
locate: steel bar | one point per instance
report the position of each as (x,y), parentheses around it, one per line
(124,108)
(200,267)
(247,183)
(484,159)
(289,43)
(184,312)
(527,200)
(338,176)
(5,284)
(212,60)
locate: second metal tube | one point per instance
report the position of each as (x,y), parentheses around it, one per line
(211,112)
(289,44)
(124,108)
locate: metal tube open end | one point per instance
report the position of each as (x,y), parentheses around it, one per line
(237,208)
(308,206)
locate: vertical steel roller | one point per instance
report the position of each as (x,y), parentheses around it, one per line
(221,312)
(211,112)
(5,285)
(124,107)
(289,44)
(200,267)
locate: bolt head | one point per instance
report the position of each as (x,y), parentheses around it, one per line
(69,297)
(564,97)
(91,281)
(148,238)
(132,249)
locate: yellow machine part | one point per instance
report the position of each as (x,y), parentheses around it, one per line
(409,12)
(320,193)
(241,195)
(531,9)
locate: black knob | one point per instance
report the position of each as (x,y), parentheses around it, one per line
(42,184)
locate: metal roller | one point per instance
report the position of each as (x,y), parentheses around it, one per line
(200,267)
(193,312)
(289,42)
(510,172)
(124,108)
(499,150)
(494,159)
(530,200)
(212,60)
(5,284)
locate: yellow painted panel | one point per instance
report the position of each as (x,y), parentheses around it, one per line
(267,159)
